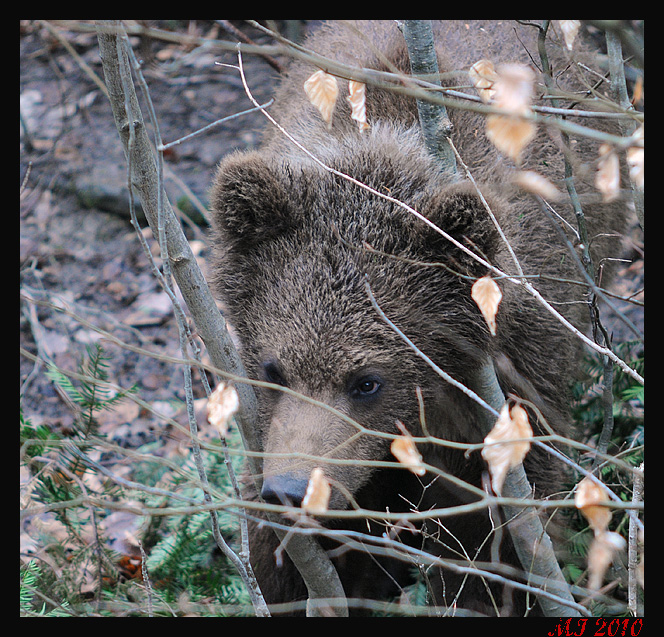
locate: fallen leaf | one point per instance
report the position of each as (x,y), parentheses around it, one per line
(322,90)
(357,99)
(405,451)
(317,497)
(483,76)
(588,498)
(607,177)
(569,28)
(513,92)
(149,308)
(512,432)
(536,184)
(122,530)
(222,405)
(600,555)
(635,160)
(486,293)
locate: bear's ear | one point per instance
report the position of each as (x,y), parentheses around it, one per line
(460,212)
(249,200)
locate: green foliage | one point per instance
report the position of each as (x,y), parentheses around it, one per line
(29,601)
(84,572)
(92,395)
(628,404)
(626,443)
(184,558)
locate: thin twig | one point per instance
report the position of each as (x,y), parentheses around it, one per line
(632,546)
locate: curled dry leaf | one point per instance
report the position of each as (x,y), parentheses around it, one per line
(588,498)
(486,293)
(513,432)
(607,177)
(222,405)
(536,184)
(317,497)
(509,135)
(569,28)
(513,92)
(357,98)
(637,93)
(514,87)
(600,555)
(405,451)
(483,75)
(635,159)
(322,90)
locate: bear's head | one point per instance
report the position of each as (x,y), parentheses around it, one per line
(299,251)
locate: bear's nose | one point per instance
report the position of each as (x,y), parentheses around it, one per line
(286,489)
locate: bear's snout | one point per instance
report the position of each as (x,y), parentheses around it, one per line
(287,489)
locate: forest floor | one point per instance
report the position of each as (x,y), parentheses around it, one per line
(77,247)
(79,252)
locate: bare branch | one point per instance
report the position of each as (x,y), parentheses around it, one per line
(314,565)
(436,125)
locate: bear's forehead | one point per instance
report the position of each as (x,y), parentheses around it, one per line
(323,340)
(320,337)
(311,312)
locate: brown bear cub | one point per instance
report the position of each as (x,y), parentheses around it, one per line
(298,248)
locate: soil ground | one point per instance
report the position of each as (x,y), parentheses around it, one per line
(77,246)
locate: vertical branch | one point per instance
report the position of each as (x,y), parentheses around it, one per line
(632,557)
(586,260)
(145,176)
(607,407)
(436,125)
(532,543)
(315,567)
(619,90)
(209,322)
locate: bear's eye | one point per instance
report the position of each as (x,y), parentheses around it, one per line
(272,373)
(366,387)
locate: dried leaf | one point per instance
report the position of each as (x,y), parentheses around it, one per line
(635,159)
(537,184)
(588,498)
(637,94)
(569,28)
(607,177)
(509,135)
(322,90)
(317,497)
(510,430)
(514,88)
(222,405)
(404,450)
(483,75)
(513,92)
(486,293)
(357,99)
(600,555)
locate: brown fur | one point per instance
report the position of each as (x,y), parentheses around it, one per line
(291,264)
